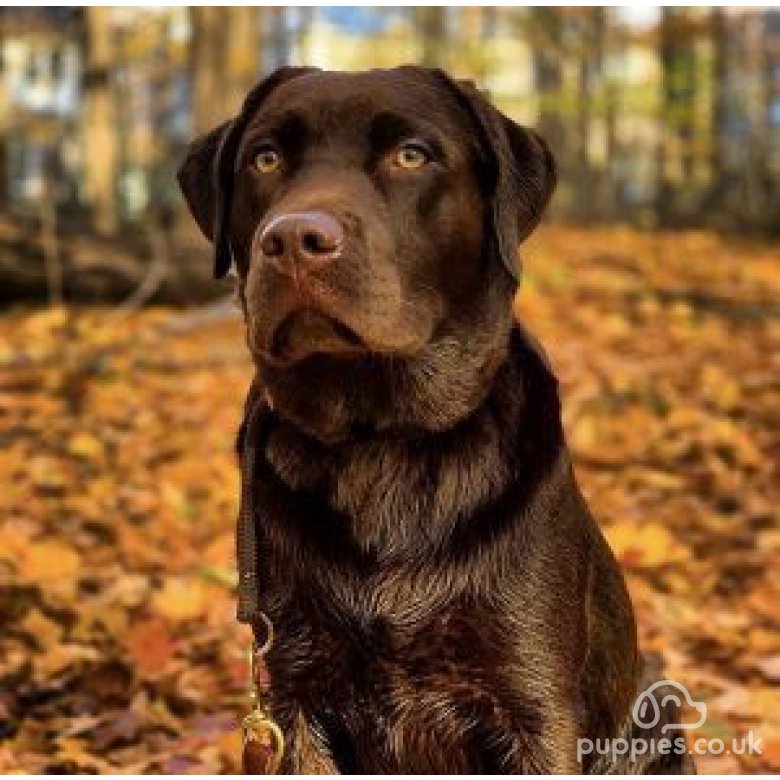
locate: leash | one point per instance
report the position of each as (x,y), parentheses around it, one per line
(263,741)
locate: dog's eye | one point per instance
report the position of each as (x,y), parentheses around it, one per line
(267,160)
(412,156)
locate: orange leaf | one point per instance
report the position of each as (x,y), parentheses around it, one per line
(150,646)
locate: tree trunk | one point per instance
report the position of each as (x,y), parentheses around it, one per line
(224,61)
(242,55)
(5,109)
(607,41)
(433,33)
(586,71)
(548,54)
(99,116)
(207,66)
(676,193)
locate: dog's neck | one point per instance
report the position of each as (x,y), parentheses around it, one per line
(336,400)
(377,475)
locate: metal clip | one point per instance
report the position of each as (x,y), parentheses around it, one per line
(263,739)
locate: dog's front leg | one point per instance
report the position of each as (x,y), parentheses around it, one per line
(552,752)
(560,740)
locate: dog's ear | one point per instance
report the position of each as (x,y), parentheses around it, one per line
(196,179)
(521,170)
(207,173)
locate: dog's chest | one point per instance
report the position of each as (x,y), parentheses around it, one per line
(392,642)
(401,698)
(383,498)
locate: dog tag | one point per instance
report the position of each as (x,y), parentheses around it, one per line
(263,744)
(262,737)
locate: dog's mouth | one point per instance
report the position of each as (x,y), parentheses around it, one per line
(306,332)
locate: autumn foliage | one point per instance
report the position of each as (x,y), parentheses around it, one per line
(119,650)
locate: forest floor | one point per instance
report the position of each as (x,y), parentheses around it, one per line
(119,651)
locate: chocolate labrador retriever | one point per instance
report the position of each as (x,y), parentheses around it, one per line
(443,600)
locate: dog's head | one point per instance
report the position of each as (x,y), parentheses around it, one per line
(372,217)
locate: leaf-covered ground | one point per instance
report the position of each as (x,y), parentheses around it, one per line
(118,646)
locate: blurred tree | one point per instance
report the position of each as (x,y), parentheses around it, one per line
(99,121)
(546,30)
(759,181)
(687,96)
(5,110)
(243,55)
(675,115)
(721,173)
(547,36)
(207,66)
(607,41)
(676,100)
(588,30)
(433,33)
(225,61)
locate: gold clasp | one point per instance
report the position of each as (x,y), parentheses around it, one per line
(262,737)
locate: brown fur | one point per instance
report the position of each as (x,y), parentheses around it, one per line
(444,601)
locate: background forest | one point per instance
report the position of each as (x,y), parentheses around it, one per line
(654,286)
(661,117)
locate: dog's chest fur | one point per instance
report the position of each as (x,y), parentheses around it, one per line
(395,569)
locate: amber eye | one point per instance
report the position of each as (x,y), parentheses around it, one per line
(411,157)
(268,160)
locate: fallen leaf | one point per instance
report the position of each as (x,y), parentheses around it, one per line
(86,445)
(770,668)
(181,598)
(645,545)
(150,646)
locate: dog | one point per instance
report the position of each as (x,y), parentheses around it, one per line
(443,600)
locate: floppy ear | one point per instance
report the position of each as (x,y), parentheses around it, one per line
(521,170)
(207,173)
(196,179)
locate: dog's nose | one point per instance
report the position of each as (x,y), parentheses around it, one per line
(305,240)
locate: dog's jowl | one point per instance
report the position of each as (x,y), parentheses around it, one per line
(442,599)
